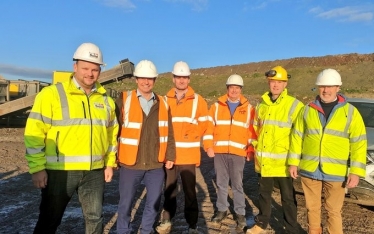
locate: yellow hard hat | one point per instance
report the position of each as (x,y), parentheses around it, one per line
(277,73)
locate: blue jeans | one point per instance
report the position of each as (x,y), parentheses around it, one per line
(230,167)
(61,186)
(129,181)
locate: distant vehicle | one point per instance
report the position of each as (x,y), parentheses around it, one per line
(363,194)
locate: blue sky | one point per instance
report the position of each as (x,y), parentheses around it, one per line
(38,37)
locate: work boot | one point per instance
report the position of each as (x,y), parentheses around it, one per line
(193,231)
(255,230)
(164,227)
(315,230)
(241,221)
(218,216)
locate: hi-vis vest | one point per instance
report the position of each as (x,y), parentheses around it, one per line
(230,134)
(273,123)
(132,126)
(333,145)
(68,130)
(190,121)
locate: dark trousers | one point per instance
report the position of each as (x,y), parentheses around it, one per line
(129,182)
(188,178)
(288,201)
(61,186)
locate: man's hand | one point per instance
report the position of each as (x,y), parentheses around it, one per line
(39,179)
(250,156)
(293,171)
(210,152)
(108,174)
(352,181)
(169,164)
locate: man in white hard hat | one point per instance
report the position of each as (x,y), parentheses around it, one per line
(328,150)
(71,142)
(274,118)
(146,146)
(228,139)
(190,119)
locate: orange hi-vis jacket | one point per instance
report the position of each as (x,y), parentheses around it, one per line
(230,134)
(132,125)
(190,121)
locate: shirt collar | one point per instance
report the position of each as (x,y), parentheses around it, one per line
(138,94)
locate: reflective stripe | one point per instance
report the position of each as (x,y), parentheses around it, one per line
(293,108)
(298,133)
(126,109)
(78,121)
(312,131)
(278,123)
(63,101)
(273,155)
(359,165)
(310,158)
(106,101)
(73,159)
(112,148)
(230,143)
(306,111)
(112,123)
(203,118)
(187,144)
(334,161)
(184,119)
(240,124)
(194,106)
(163,139)
(357,139)
(35,150)
(208,137)
(39,116)
(223,122)
(336,133)
(349,117)
(133,125)
(293,156)
(162,123)
(129,141)
(210,119)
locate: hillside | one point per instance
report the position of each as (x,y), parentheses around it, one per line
(356,70)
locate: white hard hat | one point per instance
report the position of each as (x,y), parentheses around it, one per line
(235,80)
(146,69)
(89,52)
(181,69)
(329,77)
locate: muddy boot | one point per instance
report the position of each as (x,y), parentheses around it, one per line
(241,221)
(218,216)
(315,230)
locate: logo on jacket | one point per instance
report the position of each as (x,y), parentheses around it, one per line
(99,105)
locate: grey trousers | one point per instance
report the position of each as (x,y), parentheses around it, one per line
(229,167)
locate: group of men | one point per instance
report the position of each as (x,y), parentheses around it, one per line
(75,135)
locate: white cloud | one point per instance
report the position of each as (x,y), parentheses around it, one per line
(351,14)
(198,5)
(125,4)
(24,71)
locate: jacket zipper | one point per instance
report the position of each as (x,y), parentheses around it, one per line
(57,150)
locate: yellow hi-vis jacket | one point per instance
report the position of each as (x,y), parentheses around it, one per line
(132,114)
(333,145)
(190,121)
(230,134)
(68,130)
(272,124)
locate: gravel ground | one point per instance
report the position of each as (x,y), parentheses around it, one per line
(20,200)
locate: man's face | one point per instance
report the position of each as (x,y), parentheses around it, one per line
(181,82)
(86,73)
(145,85)
(328,93)
(277,86)
(233,92)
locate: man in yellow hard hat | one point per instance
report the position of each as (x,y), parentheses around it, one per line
(274,118)
(71,142)
(329,134)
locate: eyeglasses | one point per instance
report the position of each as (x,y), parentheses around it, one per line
(272,73)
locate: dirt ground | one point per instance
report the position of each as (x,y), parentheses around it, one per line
(20,200)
